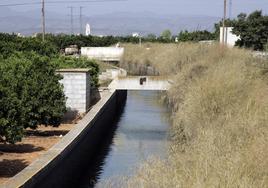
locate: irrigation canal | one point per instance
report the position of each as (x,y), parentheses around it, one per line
(140,132)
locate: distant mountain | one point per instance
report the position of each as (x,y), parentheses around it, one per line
(118,23)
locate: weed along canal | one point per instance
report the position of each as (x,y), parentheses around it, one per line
(141,133)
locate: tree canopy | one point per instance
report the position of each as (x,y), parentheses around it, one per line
(196,36)
(252,29)
(166,34)
(30,92)
(30,95)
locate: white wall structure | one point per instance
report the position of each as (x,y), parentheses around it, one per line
(88,30)
(103,53)
(229,36)
(141,83)
(76,83)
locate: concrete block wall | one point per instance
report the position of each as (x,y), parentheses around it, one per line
(76,83)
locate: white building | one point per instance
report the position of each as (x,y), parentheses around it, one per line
(230,38)
(88,30)
(135,35)
(103,53)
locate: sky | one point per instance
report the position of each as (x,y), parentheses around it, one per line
(178,7)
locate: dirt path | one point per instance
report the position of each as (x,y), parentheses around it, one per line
(14,158)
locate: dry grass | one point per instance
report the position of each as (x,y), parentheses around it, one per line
(220,119)
(104,66)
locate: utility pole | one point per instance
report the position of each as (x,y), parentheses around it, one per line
(230,8)
(81,20)
(223,23)
(43,21)
(72,21)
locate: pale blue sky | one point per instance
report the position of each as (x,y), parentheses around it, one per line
(179,7)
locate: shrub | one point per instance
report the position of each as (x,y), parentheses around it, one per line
(30,95)
(196,36)
(266,47)
(252,29)
(11,43)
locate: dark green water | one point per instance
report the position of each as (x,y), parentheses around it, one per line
(141,133)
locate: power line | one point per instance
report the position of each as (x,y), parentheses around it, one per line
(223,21)
(230,8)
(81,20)
(58,2)
(43,21)
(72,21)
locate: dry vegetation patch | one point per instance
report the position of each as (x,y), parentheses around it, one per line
(220,117)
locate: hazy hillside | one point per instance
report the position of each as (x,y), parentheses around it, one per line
(119,23)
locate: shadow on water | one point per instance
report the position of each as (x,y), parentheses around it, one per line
(81,163)
(89,178)
(138,131)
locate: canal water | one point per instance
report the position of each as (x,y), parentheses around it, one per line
(141,133)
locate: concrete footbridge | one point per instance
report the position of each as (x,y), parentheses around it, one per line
(141,83)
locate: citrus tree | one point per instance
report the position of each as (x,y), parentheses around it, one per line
(30,95)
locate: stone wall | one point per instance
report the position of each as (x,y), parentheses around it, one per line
(76,83)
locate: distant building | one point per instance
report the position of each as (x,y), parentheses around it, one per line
(71,50)
(20,35)
(34,35)
(230,38)
(88,30)
(135,35)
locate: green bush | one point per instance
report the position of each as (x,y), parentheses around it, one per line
(196,36)
(252,29)
(30,95)
(266,47)
(70,62)
(11,43)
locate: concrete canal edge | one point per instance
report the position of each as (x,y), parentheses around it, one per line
(63,160)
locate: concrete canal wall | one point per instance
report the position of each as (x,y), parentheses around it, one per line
(60,166)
